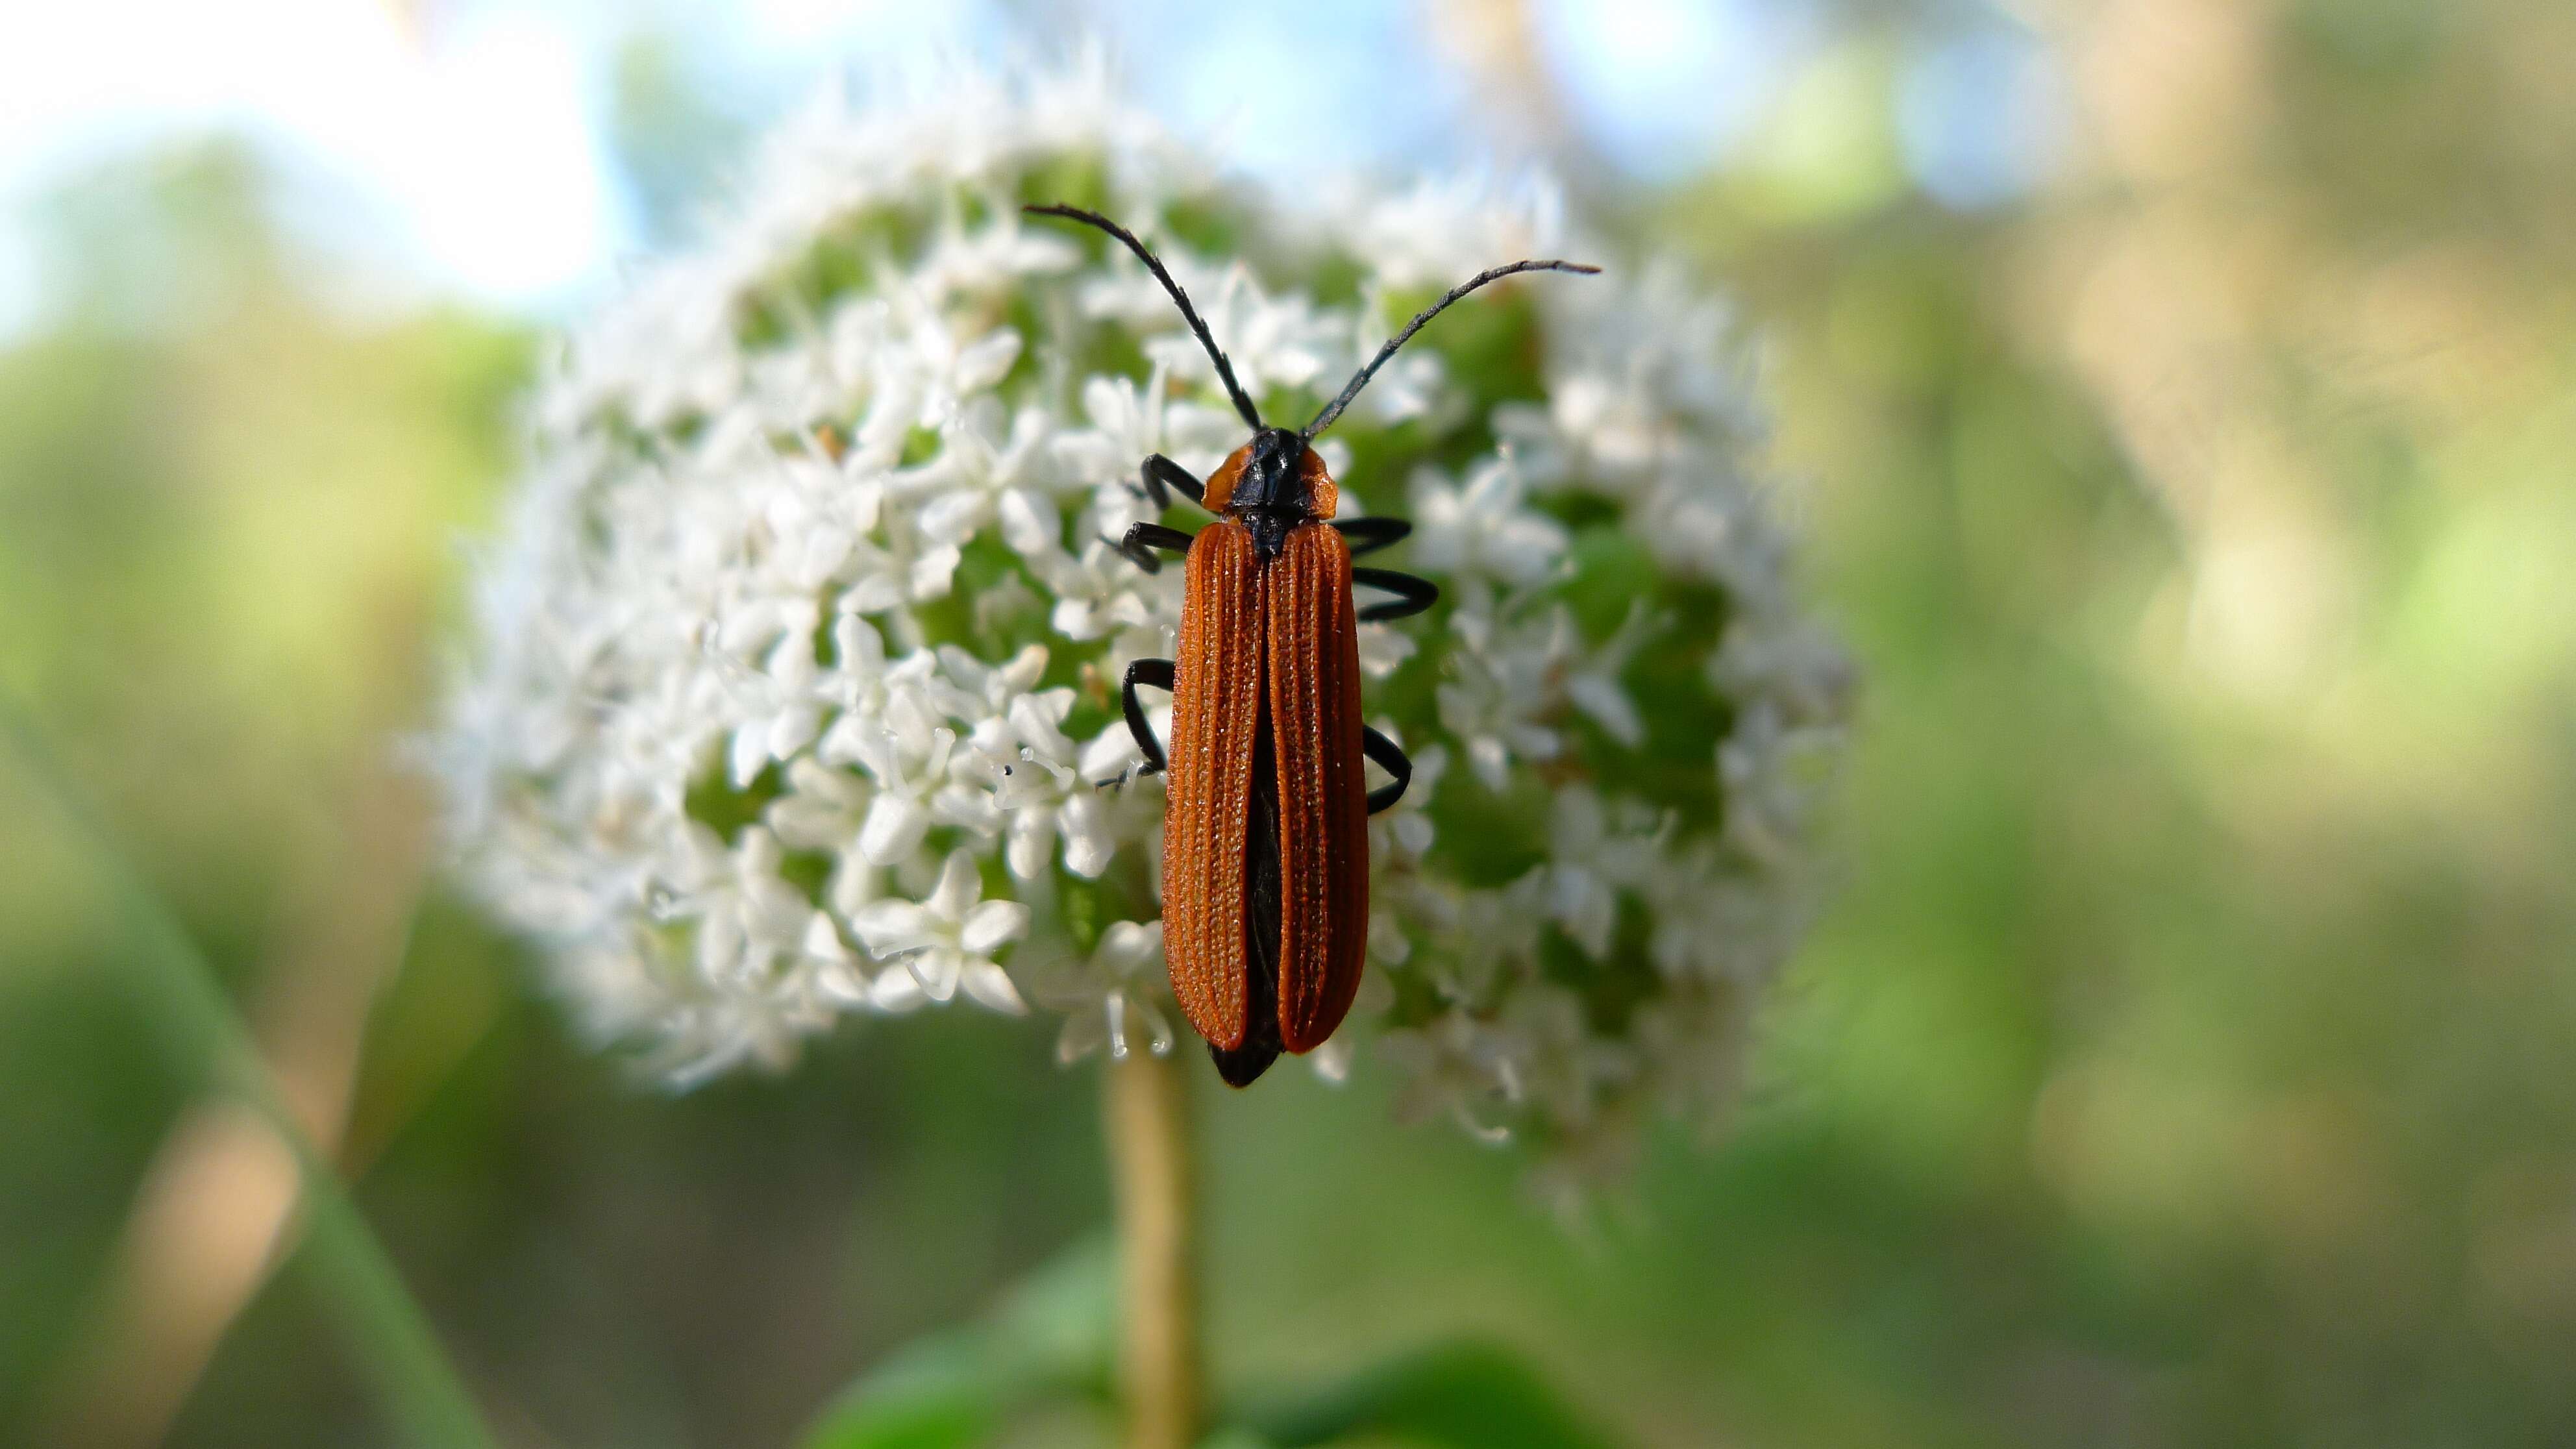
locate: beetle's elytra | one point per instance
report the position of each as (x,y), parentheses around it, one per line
(1265,839)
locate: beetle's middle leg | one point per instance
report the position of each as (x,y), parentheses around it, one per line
(1412,594)
(1154,674)
(1390,757)
(1143,538)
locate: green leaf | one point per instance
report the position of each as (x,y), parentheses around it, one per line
(1467,1395)
(186,1008)
(1052,1336)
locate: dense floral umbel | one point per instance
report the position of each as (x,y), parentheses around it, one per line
(797,656)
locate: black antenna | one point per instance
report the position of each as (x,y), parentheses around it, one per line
(1189,314)
(1360,379)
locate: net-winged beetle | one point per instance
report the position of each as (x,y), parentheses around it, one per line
(1265,836)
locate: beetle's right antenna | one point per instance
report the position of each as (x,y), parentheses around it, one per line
(1360,379)
(1189,314)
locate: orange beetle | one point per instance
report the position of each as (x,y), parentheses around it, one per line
(1265,843)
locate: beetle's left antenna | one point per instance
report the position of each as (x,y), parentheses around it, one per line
(1360,379)
(1189,314)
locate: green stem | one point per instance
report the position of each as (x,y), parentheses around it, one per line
(1158,1360)
(185,1005)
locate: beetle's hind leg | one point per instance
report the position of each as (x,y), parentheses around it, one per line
(1368,535)
(1412,594)
(1160,478)
(1141,541)
(1153,674)
(1390,757)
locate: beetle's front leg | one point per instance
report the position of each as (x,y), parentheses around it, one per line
(1141,541)
(1368,535)
(1154,674)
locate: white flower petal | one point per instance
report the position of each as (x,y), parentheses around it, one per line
(989,985)
(1088,845)
(893,830)
(1032,842)
(895,990)
(938,970)
(992,923)
(1084,1032)
(1030,524)
(888,927)
(959,888)
(1128,944)
(1111,753)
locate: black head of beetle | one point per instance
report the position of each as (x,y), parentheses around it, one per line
(1274,477)
(1272,486)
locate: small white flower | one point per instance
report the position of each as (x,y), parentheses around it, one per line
(1384,649)
(1409,385)
(1097,593)
(1762,767)
(902,565)
(822,809)
(1046,796)
(909,757)
(1112,754)
(1790,661)
(1592,682)
(1593,859)
(942,369)
(1563,1069)
(1504,692)
(1282,341)
(993,258)
(985,472)
(1460,1068)
(780,710)
(745,914)
(863,685)
(979,695)
(1112,995)
(1404,830)
(1131,422)
(1481,530)
(947,942)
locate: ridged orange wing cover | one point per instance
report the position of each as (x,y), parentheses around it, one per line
(1216,704)
(1313,677)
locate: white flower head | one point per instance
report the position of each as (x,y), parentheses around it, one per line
(807,622)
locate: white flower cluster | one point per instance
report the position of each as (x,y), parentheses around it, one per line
(797,658)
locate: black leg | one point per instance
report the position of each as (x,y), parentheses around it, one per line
(1368,535)
(1412,595)
(1154,674)
(1388,755)
(1163,478)
(1143,538)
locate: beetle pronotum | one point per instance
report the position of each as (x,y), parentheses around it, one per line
(1265,837)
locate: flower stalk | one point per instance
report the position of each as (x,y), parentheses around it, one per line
(1147,1128)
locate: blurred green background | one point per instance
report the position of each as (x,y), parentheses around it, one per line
(2185,1058)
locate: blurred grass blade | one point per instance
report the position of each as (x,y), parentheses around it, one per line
(184,1005)
(1051,1335)
(1466,1396)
